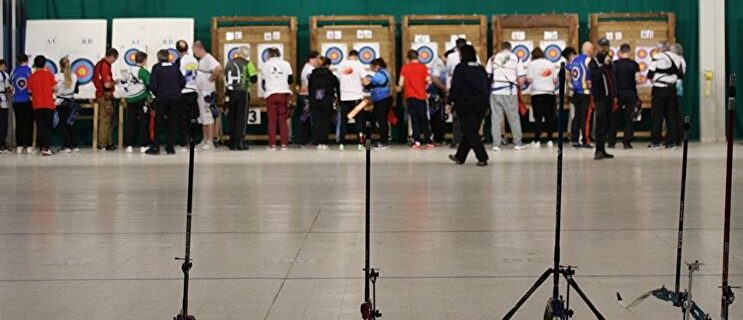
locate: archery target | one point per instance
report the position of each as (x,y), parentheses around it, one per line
(336,52)
(522,50)
(552,49)
(263,51)
(51,66)
(427,52)
(130,57)
(231,50)
(367,51)
(172,55)
(83,69)
(643,56)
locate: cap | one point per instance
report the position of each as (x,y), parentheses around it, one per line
(603,42)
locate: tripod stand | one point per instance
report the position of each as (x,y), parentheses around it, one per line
(679,299)
(557,307)
(727,291)
(369,309)
(187,264)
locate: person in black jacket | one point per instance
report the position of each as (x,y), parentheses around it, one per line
(323,91)
(602,90)
(166,83)
(470,94)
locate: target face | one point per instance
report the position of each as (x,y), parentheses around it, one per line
(264,55)
(51,66)
(552,53)
(425,54)
(232,54)
(643,66)
(335,55)
(522,52)
(130,57)
(367,54)
(654,52)
(642,54)
(172,55)
(83,69)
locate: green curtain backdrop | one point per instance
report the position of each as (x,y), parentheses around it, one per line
(686,12)
(734,45)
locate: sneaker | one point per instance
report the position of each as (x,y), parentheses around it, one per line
(382,146)
(416,146)
(520,147)
(129,149)
(19,150)
(536,145)
(576,145)
(207,147)
(4,151)
(628,146)
(75,149)
(454,159)
(181,149)
(602,155)
(341,147)
(169,150)
(550,144)
(272,148)
(47,152)
(361,147)
(30,150)
(430,146)
(496,148)
(672,146)
(482,163)
(284,147)
(143,149)
(655,147)
(153,151)
(66,150)
(110,147)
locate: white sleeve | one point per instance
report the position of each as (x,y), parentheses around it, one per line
(489,66)
(288,67)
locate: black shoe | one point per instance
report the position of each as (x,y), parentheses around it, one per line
(601,155)
(482,163)
(586,146)
(611,145)
(628,146)
(453,158)
(242,148)
(169,150)
(110,147)
(153,151)
(576,145)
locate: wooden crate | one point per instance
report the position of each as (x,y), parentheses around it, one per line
(642,31)
(335,36)
(442,31)
(260,33)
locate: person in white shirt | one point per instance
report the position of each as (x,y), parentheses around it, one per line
(5,90)
(352,75)
(67,108)
(665,70)
(542,76)
(506,73)
(276,77)
(208,72)
(189,110)
(303,106)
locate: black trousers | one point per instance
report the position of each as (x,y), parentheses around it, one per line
(456,128)
(664,107)
(627,103)
(3,127)
(68,131)
(44,127)
(342,128)
(239,101)
(381,108)
(189,110)
(543,106)
(167,116)
(305,128)
(578,126)
(471,119)
(418,112)
(437,119)
(321,114)
(136,124)
(24,124)
(603,108)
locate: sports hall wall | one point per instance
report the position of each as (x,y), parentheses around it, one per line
(203,10)
(734,45)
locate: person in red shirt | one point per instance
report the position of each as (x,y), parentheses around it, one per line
(41,86)
(414,79)
(103,81)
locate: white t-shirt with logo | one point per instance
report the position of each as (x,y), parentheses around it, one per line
(207,65)
(305,78)
(189,69)
(275,76)
(350,73)
(505,68)
(543,77)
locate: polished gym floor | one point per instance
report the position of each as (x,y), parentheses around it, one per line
(279,235)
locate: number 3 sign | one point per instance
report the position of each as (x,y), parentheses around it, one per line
(254,116)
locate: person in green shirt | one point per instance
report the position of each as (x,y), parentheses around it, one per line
(240,73)
(136,84)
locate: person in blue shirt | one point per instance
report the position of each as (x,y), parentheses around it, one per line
(581,84)
(24,114)
(381,97)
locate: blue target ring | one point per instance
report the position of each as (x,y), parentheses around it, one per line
(83,69)
(172,55)
(425,54)
(335,55)
(522,52)
(367,55)
(553,53)
(232,54)
(51,66)
(130,57)
(264,55)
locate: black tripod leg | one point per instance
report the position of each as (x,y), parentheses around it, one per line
(583,296)
(528,294)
